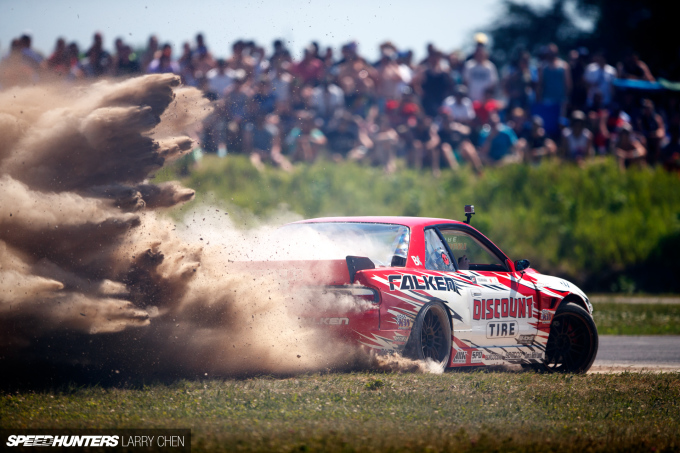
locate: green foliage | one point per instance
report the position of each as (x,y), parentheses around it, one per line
(374,384)
(637,319)
(592,225)
(454,411)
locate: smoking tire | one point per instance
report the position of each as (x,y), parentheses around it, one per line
(573,341)
(431,335)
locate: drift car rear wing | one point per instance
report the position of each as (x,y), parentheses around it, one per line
(356,264)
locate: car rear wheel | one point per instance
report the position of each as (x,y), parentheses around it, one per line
(431,335)
(573,341)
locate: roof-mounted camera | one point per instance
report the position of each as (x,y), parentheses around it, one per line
(469,212)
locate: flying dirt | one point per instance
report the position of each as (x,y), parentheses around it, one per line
(94,275)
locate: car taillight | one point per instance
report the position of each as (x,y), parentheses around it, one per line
(369,294)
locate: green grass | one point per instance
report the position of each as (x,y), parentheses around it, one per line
(637,319)
(381,412)
(600,227)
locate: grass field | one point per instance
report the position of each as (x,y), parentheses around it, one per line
(456,411)
(637,319)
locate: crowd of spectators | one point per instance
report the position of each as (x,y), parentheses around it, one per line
(447,110)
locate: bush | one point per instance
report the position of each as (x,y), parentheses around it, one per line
(596,226)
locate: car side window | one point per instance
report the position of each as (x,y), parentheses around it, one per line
(470,253)
(436,256)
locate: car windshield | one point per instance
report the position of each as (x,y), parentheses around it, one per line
(385,244)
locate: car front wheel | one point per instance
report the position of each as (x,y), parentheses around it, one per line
(573,341)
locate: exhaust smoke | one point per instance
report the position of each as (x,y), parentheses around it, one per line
(92,276)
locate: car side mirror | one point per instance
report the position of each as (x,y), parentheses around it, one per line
(520,265)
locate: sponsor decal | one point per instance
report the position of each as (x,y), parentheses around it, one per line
(533,355)
(330,321)
(476,356)
(486,280)
(401,338)
(515,355)
(403,322)
(507,329)
(493,356)
(546,316)
(445,258)
(416,260)
(526,339)
(511,307)
(460,357)
(426,282)
(454,244)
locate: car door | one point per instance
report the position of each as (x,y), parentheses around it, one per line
(502,308)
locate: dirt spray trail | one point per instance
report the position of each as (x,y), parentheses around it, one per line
(92,276)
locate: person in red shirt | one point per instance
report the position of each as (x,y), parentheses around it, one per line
(485,107)
(310,69)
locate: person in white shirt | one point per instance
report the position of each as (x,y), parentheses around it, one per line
(327,98)
(219,79)
(480,74)
(599,77)
(459,106)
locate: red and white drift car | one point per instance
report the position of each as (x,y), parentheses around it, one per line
(439,289)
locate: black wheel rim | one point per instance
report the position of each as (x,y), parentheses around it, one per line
(432,337)
(569,344)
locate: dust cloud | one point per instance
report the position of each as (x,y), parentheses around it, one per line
(94,276)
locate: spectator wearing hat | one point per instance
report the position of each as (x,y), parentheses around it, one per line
(459,106)
(480,74)
(628,148)
(577,141)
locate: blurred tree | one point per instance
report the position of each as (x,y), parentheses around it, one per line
(643,26)
(618,27)
(526,27)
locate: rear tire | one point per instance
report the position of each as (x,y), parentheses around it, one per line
(431,335)
(573,341)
